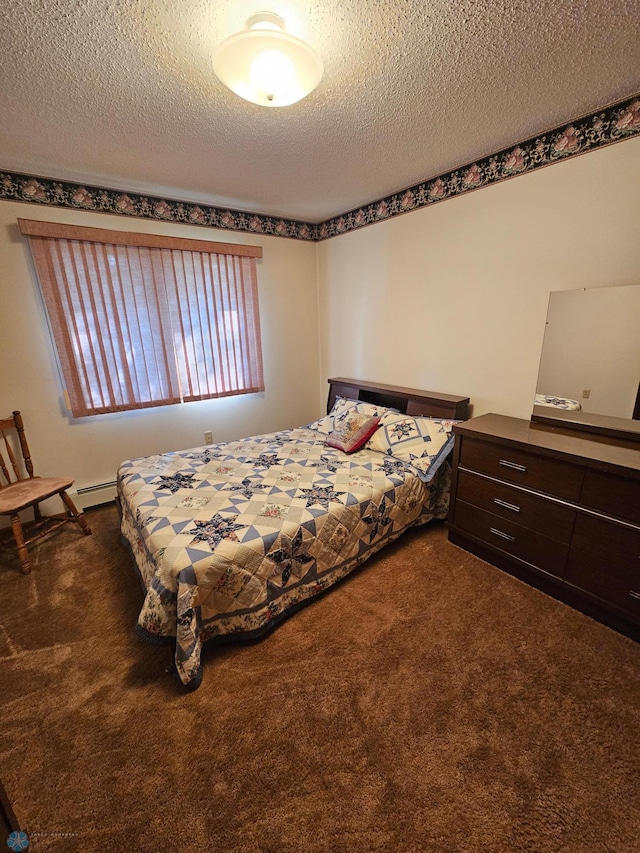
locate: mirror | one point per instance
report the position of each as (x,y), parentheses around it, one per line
(590,364)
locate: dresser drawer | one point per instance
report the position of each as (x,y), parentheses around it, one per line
(617,496)
(607,541)
(619,585)
(528,545)
(514,505)
(514,465)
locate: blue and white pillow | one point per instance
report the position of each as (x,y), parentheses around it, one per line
(343,407)
(422,442)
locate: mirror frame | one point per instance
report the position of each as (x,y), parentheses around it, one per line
(602,425)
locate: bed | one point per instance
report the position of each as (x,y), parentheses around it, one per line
(229,539)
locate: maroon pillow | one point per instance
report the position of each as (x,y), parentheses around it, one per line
(352,431)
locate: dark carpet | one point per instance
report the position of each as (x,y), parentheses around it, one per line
(428,703)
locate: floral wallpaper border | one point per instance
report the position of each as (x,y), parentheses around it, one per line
(604,127)
(612,124)
(48,191)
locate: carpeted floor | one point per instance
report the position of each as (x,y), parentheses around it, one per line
(475,715)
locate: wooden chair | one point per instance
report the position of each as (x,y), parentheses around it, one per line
(26,490)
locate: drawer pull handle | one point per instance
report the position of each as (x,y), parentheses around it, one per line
(634,594)
(506,505)
(514,465)
(502,535)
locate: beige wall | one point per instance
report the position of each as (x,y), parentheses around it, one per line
(90,449)
(454,297)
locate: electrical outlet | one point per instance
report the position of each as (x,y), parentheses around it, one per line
(586,394)
(208,437)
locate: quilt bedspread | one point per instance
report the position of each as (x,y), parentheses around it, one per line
(557,402)
(229,537)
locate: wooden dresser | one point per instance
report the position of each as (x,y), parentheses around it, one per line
(556,508)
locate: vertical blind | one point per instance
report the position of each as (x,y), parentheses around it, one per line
(142,320)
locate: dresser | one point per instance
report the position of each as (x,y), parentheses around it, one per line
(556,508)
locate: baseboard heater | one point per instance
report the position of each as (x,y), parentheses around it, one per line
(94,495)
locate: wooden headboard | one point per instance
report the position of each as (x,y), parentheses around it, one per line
(409,401)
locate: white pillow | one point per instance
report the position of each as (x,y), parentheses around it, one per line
(422,442)
(340,409)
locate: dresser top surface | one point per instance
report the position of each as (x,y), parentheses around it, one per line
(555,441)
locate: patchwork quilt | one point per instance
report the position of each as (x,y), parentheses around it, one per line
(229,537)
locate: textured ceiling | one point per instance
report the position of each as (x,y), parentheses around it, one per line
(121,93)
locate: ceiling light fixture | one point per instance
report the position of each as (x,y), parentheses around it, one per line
(267,66)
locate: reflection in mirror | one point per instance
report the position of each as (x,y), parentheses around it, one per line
(591,353)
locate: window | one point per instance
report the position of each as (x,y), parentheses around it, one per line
(143,320)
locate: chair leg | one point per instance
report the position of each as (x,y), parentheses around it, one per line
(23,554)
(77,516)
